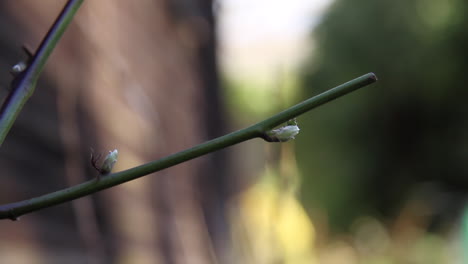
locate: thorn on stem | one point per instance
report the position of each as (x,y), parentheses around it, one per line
(28,52)
(21,66)
(12,216)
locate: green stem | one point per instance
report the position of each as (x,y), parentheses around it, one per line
(24,84)
(14,210)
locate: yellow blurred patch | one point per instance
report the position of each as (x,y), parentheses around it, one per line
(271,226)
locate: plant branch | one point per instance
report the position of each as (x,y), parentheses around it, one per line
(14,210)
(25,82)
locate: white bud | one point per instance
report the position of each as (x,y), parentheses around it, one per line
(283,134)
(19,67)
(109,162)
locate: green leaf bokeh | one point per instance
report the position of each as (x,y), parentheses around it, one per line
(367,153)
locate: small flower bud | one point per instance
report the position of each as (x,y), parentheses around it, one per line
(109,162)
(19,67)
(283,134)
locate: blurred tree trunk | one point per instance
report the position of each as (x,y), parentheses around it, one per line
(139,76)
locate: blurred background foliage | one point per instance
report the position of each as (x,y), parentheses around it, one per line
(383,175)
(374,150)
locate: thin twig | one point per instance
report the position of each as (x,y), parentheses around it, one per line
(14,210)
(24,84)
